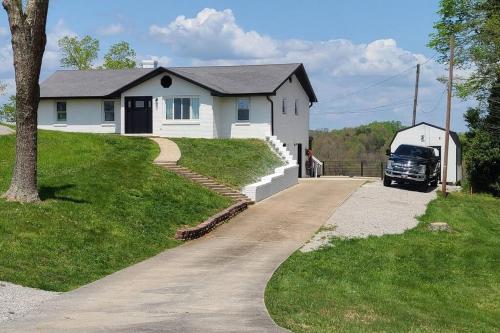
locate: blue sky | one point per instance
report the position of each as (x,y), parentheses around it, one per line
(346,46)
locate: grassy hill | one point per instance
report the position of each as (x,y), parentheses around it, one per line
(234,162)
(420,281)
(366,142)
(104,206)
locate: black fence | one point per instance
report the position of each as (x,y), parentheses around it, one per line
(354,168)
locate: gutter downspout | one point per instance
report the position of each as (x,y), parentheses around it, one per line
(272,114)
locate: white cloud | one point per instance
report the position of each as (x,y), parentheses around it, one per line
(337,67)
(112,29)
(213,34)
(3,31)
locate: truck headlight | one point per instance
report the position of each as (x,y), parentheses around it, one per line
(389,164)
(421,169)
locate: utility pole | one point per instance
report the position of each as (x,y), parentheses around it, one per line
(416,96)
(448,112)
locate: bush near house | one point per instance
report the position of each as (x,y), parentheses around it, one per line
(234,162)
(419,281)
(104,207)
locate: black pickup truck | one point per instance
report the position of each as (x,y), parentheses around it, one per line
(415,165)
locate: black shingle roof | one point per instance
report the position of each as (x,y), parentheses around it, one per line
(220,80)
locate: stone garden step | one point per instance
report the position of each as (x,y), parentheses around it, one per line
(207,182)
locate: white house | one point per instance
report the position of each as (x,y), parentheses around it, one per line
(254,101)
(424,134)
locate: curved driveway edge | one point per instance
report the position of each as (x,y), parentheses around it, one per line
(4,130)
(213,284)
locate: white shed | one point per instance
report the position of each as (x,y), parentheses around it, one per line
(424,134)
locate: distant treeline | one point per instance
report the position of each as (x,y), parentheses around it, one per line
(363,143)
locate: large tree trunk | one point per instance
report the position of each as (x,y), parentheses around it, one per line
(28,44)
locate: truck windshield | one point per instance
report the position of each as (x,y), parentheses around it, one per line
(413,151)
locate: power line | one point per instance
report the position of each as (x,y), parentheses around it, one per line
(437,104)
(371,109)
(383,80)
(431,58)
(374,84)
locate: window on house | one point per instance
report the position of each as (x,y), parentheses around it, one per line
(283,106)
(296,107)
(243,109)
(182,108)
(109,111)
(61,111)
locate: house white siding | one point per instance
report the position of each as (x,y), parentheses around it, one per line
(425,135)
(218,116)
(82,115)
(200,128)
(227,125)
(290,128)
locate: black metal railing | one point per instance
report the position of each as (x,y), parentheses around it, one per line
(354,168)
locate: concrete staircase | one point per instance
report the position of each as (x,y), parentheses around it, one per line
(282,178)
(207,182)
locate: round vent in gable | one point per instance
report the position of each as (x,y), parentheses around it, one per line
(166,81)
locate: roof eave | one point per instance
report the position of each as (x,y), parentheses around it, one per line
(110,96)
(270,93)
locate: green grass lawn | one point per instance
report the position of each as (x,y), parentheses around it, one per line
(104,207)
(420,281)
(234,162)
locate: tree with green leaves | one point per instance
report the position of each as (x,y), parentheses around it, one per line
(78,53)
(8,110)
(476,27)
(119,56)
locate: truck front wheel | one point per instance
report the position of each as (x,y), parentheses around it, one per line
(387,181)
(424,186)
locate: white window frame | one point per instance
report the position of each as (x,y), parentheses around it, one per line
(172,98)
(104,111)
(57,112)
(249,109)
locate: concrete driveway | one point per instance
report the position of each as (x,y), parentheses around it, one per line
(213,284)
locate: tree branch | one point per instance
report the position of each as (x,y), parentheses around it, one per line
(36,10)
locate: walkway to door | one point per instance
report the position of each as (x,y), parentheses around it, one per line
(213,284)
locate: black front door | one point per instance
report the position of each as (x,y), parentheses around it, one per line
(299,158)
(138,114)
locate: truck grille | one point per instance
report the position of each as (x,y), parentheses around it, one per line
(404,168)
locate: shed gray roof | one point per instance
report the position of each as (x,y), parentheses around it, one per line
(220,80)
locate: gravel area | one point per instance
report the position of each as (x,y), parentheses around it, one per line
(4,130)
(373,210)
(16,301)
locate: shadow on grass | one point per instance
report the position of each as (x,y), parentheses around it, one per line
(50,192)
